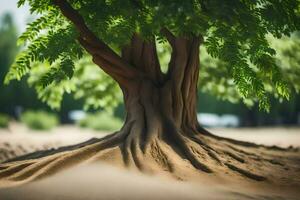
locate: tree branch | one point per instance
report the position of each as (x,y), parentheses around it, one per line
(170,37)
(95,46)
(182,70)
(151,62)
(184,54)
(179,59)
(143,55)
(70,13)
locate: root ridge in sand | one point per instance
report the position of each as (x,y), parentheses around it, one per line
(245,173)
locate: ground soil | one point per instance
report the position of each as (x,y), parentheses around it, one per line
(96,179)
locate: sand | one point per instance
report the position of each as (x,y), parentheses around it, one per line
(105,182)
(19,140)
(89,182)
(99,180)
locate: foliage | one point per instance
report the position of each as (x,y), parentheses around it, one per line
(288,57)
(18,94)
(4,120)
(101,121)
(39,120)
(235,33)
(87,83)
(222,85)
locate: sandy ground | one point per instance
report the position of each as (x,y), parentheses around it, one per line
(102,181)
(110,183)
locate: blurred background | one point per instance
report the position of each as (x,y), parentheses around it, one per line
(28,124)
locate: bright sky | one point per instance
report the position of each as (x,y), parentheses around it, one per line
(20,15)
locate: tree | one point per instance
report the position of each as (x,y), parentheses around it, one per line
(8,50)
(10,94)
(8,38)
(161,106)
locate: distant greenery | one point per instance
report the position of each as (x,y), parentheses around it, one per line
(101,121)
(4,120)
(218,93)
(39,120)
(19,95)
(89,84)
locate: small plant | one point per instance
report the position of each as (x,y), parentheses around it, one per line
(4,120)
(101,121)
(39,120)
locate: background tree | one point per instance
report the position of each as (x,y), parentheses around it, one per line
(18,95)
(161,106)
(10,94)
(219,94)
(8,50)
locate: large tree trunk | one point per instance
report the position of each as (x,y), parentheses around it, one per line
(161,106)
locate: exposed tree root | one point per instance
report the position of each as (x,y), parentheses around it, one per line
(234,156)
(206,155)
(245,173)
(161,157)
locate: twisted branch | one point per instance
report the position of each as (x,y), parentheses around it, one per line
(103,55)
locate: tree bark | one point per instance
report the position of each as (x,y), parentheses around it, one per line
(161,106)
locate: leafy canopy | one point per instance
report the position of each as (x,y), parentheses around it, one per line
(234,32)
